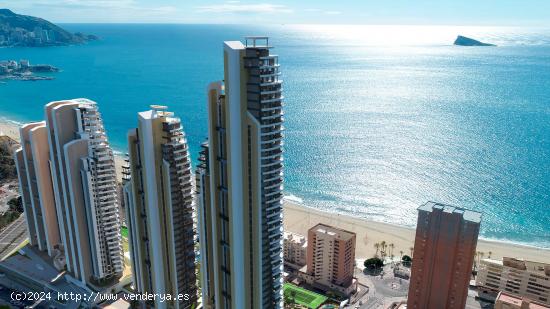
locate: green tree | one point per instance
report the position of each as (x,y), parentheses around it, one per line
(16,204)
(373,263)
(407,260)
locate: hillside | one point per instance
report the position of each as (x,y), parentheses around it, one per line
(22,30)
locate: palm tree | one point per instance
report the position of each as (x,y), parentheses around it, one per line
(401,253)
(383,248)
(412,250)
(376,246)
(392,246)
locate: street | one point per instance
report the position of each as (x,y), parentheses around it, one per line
(12,236)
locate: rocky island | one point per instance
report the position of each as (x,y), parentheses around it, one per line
(465,41)
(12,70)
(29,31)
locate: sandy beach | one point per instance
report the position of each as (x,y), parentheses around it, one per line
(298,219)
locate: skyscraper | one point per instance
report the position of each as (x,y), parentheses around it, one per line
(204,212)
(159,200)
(446,239)
(245,175)
(35,184)
(84,182)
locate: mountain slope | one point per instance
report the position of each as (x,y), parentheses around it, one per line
(22,30)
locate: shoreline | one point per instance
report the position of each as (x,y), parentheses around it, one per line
(298,218)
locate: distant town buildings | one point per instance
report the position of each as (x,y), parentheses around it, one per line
(245,175)
(523,279)
(446,239)
(11,69)
(510,301)
(331,258)
(159,199)
(295,250)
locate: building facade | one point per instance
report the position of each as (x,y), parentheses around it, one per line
(294,250)
(84,182)
(446,239)
(510,301)
(245,179)
(331,255)
(520,278)
(204,212)
(35,184)
(159,199)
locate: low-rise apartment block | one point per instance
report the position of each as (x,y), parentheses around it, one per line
(516,277)
(331,259)
(295,250)
(509,301)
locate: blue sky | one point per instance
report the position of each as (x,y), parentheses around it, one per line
(458,12)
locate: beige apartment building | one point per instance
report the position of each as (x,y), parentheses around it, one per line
(159,199)
(241,218)
(524,279)
(204,227)
(295,250)
(84,182)
(445,242)
(509,301)
(35,183)
(331,256)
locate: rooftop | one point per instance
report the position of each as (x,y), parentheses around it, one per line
(517,301)
(467,215)
(333,231)
(257,41)
(531,266)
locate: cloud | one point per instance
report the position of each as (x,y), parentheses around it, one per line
(108,4)
(313,10)
(236,7)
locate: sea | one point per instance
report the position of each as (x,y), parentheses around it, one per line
(379,119)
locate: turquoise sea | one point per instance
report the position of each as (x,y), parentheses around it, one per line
(379,119)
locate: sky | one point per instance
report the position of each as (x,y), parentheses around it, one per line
(424,12)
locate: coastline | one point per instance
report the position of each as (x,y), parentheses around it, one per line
(299,218)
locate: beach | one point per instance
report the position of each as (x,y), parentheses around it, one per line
(299,218)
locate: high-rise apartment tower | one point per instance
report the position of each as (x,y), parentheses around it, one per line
(159,199)
(444,247)
(84,182)
(241,217)
(35,184)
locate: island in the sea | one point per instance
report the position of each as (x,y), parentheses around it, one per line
(29,31)
(465,41)
(23,70)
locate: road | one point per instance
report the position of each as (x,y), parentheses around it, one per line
(13,235)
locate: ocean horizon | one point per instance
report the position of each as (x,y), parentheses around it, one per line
(379,119)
